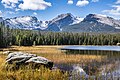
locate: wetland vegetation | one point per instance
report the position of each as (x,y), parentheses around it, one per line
(93,62)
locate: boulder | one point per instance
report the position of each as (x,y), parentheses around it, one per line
(78,70)
(40,61)
(78,74)
(21,58)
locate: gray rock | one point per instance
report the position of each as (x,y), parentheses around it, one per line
(41,60)
(78,74)
(21,58)
(38,60)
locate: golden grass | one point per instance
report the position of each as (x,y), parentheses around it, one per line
(27,73)
(51,52)
(55,54)
(30,74)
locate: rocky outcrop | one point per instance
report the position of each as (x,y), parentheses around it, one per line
(21,58)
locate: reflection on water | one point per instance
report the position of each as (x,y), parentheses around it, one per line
(111,63)
(109,54)
(103,48)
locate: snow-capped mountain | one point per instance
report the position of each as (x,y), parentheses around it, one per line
(24,22)
(95,23)
(32,23)
(103,19)
(66,22)
(60,21)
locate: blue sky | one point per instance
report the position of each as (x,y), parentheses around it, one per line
(48,9)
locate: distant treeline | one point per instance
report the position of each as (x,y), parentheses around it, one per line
(18,37)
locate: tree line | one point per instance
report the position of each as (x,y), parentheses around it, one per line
(20,37)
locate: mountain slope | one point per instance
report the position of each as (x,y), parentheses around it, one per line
(60,21)
(95,23)
(66,22)
(32,23)
(24,22)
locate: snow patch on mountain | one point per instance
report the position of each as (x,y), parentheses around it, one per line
(43,24)
(24,22)
(104,19)
(109,21)
(77,20)
(117,27)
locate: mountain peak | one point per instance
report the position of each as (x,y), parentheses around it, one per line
(65,22)
(96,15)
(25,18)
(101,18)
(61,16)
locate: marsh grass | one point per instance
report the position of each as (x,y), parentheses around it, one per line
(30,74)
(9,72)
(55,54)
(51,52)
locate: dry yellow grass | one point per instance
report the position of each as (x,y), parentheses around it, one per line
(51,52)
(55,54)
(26,73)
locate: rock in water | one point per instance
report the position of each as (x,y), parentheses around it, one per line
(78,70)
(78,74)
(21,58)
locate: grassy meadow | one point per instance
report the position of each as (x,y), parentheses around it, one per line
(55,54)
(50,52)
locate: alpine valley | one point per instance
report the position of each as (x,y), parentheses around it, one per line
(65,22)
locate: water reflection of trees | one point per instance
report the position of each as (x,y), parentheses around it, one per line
(94,52)
(108,63)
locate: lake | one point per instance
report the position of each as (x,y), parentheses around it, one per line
(103,48)
(108,66)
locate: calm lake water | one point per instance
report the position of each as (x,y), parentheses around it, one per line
(102,48)
(111,62)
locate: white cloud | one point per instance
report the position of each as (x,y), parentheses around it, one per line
(82,3)
(34,5)
(70,2)
(9,3)
(117,2)
(95,0)
(115,11)
(35,13)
